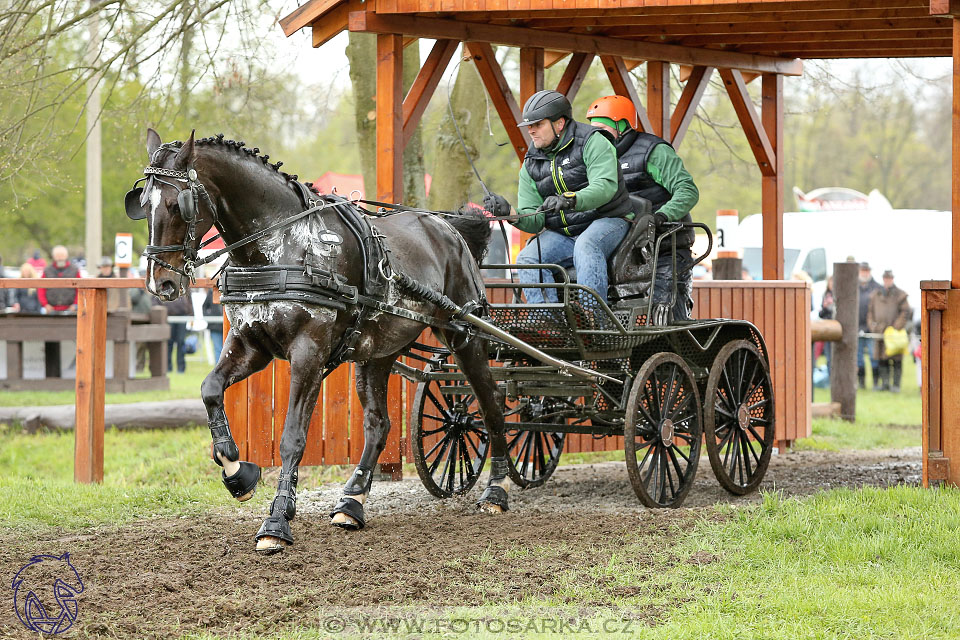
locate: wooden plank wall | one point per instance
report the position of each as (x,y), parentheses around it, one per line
(256,407)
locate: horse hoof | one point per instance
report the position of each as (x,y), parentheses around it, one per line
(247,495)
(344,521)
(488,507)
(269,545)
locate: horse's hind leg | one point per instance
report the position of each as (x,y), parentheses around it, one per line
(372,378)
(242,360)
(307,361)
(473,361)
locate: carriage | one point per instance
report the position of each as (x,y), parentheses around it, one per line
(665,389)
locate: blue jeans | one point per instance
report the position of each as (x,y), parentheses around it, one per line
(864,345)
(588,253)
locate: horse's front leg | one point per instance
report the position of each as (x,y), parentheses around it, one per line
(307,360)
(239,361)
(372,380)
(473,361)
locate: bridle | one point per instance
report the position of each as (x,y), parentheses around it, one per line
(187,201)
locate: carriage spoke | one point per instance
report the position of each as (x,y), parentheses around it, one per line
(756,435)
(676,463)
(443,441)
(678,451)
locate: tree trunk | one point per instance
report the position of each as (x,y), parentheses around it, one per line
(362,54)
(453,180)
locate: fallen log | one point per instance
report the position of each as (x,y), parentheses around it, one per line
(136,415)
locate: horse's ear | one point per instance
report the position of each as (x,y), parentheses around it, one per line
(185,156)
(153,142)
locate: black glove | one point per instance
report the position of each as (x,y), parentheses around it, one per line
(497,205)
(556,204)
(660,220)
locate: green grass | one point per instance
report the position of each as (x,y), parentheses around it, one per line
(182,386)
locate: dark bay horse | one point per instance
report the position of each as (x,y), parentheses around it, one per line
(193,185)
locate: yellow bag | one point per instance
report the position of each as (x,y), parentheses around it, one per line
(895,341)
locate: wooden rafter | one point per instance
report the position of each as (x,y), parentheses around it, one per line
(774,26)
(425,84)
(891,45)
(623,85)
(500,94)
(522,37)
(688,102)
(551,58)
(334,22)
(809,36)
(574,74)
(749,120)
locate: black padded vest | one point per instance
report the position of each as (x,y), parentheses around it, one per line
(566,171)
(634,149)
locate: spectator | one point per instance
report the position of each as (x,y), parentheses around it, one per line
(828,311)
(106,271)
(182,306)
(140,303)
(745,274)
(888,308)
(59,300)
(868,286)
(26,299)
(37,262)
(215,328)
(7,296)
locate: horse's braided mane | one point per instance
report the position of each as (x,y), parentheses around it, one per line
(253,153)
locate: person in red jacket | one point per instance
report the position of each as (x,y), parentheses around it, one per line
(62,300)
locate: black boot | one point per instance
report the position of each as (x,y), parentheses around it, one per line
(877,382)
(862,377)
(897,375)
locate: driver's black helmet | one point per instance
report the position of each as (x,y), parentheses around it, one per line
(545,104)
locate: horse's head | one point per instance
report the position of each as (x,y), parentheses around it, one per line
(178,209)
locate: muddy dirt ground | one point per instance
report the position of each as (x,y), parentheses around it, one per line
(166,577)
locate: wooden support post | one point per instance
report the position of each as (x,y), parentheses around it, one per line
(531,72)
(500,95)
(772,184)
(658,98)
(423,87)
(389,117)
(687,105)
(91,383)
(573,75)
(727,269)
(955,226)
(843,362)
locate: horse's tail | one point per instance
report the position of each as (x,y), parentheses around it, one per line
(474,227)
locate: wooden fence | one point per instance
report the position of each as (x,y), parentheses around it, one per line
(256,407)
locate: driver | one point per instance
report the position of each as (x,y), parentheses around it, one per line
(653,170)
(572,189)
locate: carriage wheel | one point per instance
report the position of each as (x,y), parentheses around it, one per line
(738,417)
(534,455)
(448,439)
(662,431)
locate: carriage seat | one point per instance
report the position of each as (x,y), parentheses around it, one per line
(629,266)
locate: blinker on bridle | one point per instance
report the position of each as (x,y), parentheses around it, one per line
(136,200)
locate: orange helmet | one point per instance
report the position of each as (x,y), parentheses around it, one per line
(614,107)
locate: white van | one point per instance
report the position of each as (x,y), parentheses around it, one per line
(913,243)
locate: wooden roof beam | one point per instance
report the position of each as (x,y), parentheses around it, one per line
(749,120)
(500,94)
(305,14)
(623,85)
(425,84)
(804,36)
(551,58)
(334,22)
(785,26)
(517,15)
(889,46)
(598,45)
(730,17)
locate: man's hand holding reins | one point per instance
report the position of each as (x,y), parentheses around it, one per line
(555,204)
(497,205)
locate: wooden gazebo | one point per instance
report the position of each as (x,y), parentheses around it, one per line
(741,41)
